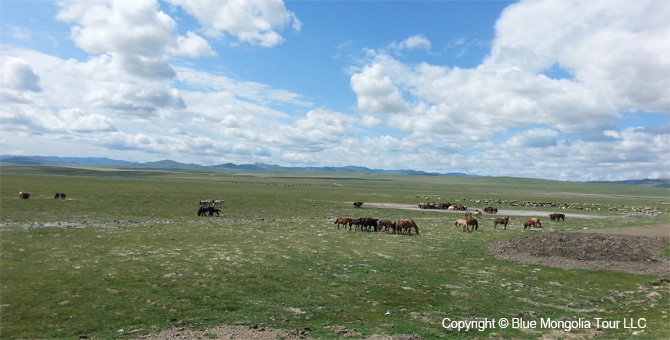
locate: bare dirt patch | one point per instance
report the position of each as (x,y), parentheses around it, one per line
(633,250)
(254,332)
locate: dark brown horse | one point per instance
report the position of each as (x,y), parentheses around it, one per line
(557,217)
(211,210)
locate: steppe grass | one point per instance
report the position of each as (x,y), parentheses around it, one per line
(126,255)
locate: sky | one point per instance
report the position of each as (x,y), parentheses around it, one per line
(566,90)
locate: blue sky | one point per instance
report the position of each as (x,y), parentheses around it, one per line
(567,90)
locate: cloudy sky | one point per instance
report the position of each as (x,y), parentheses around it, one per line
(567,90)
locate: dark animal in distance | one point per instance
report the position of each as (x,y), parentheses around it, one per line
(358,204)
(211,210)
(24,195)
(557,217)
(491,210)
(502,221)
(365,222)
(60,195)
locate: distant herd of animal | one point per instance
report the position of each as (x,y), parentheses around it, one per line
(372,224)
(26,195)
(468,223)
(402,226)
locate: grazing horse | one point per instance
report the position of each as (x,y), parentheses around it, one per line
(369,223)
(477,213)
(24,195)
(386,225)
(211,210)
(533,222)
(491,210)
(502,221)
(462,223)
(468,214)
(472,222)
(557,217)
(358,204)
(343,221)
(62,195)
(402,225)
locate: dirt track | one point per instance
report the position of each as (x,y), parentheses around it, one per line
(501,212)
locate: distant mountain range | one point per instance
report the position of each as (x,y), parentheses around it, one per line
(169,164)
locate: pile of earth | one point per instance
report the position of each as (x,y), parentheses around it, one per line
(619,252)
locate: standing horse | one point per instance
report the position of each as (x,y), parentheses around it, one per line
(24,195)
(502,221)
(344,222)
(211,210)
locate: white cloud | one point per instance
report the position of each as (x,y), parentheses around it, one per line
(414,42)
(376,91)
(251,21)
(533,138)
(617,47)
(18,75)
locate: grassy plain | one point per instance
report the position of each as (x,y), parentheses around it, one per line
(126,255)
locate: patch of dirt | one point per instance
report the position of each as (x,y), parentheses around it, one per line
(254,332)
(629,250)
(227,332)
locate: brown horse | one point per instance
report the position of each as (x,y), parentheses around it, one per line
(502,221)
(402,225)
(387,225)
(343,221)
(472,222)
(533,222)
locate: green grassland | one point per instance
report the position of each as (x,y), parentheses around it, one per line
(126,255)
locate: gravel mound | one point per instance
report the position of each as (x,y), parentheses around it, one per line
(627,253)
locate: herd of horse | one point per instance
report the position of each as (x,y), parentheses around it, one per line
(402,226)
(26,195)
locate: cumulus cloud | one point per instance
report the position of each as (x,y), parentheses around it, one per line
(616,47)
(613,52)
(376,91)
(256,22)
(17,77)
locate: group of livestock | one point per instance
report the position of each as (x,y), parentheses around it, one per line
(372,224)
(469,223)
(442,206)
(210,207)
(26,195)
